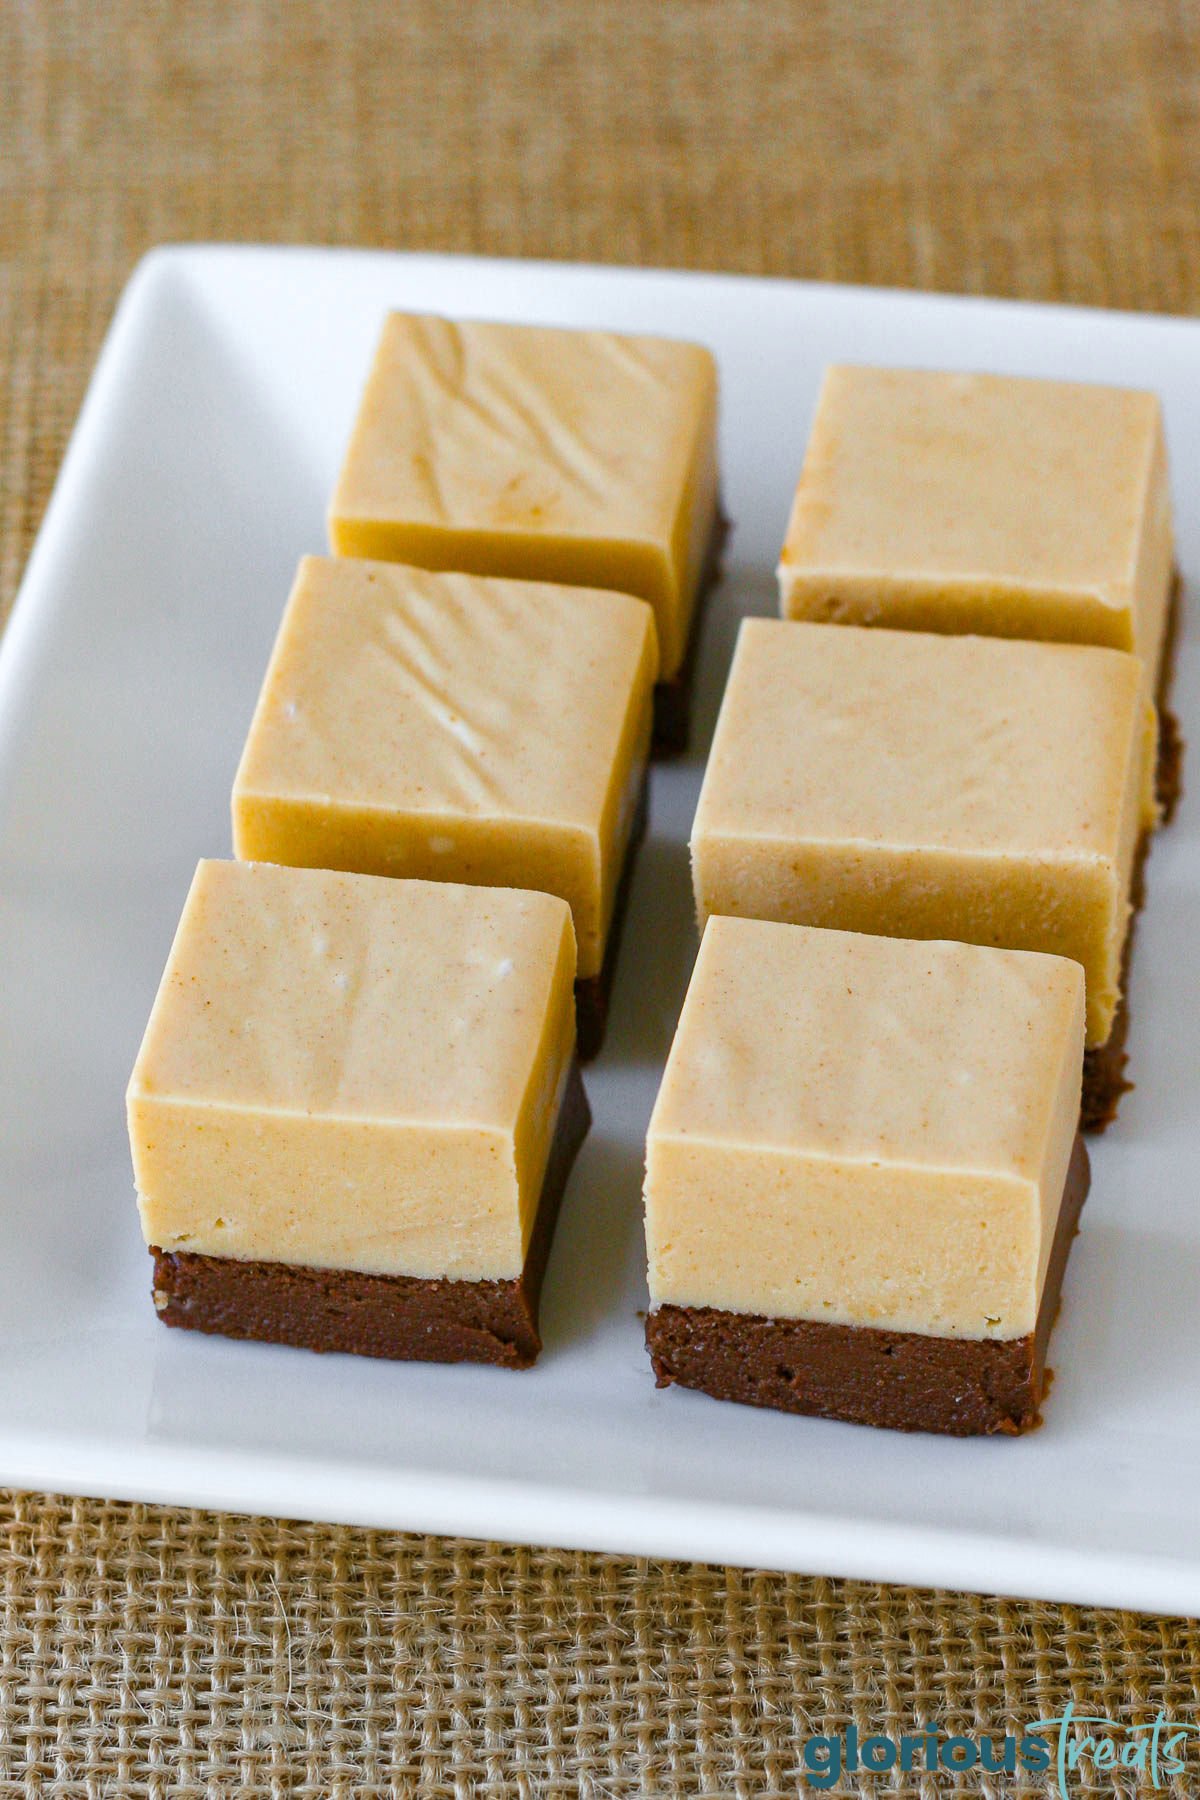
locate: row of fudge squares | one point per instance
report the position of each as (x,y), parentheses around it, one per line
(357,1104)
(581,458)
(948,503)
(904,783)
(455,727)
(934,501)
(470,689)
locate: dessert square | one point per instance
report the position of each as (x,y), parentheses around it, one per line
(452,727)
(913,785)
(863,1176)
(984,503)
(354,1111)
(586,457)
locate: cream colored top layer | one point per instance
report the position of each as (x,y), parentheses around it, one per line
(910,739)
(349,1072)
(990,503)
(557,455)
(864,1130)
(452,727)
(927,786)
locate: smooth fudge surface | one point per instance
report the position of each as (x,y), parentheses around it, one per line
(548,454)
(927,786)
(346,1072)
(984,503)
(453,727)
(867,1131)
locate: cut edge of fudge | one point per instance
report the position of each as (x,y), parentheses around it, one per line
(900,1380)
(1104,1077)
(401,1317)
(1168,776)
(593,993)
(673,697)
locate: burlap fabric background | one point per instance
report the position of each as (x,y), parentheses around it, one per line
(1047,150)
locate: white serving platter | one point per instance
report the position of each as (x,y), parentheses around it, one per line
(197,475)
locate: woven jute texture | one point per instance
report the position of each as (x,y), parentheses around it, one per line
(1044,150)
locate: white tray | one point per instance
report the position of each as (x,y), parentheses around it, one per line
(197,475)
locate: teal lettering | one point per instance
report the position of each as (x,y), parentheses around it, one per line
(1008,1756)
(1079,1747)
(879,1754)
(1036,1755)
(1171,1758)
(823,1761)
(909,1746)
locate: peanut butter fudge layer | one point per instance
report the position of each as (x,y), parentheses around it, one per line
(354,1111)
(923,786)
(863,1175)
(984,503)
(452,727)
(582,457)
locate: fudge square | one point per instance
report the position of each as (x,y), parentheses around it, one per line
(985,503)
(863,1176)
(921,786)
(354,1112)
(452,727)
(586,457)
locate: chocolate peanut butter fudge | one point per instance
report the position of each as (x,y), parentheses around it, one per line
(354,1112)
(984,503)
(863,1176)
(458,728)
(586,457)
(922,786)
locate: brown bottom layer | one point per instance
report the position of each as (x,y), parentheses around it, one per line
(899,1379)
(673,698)
(1169,772)
(1104,1079)
(398,1316)
(593,992)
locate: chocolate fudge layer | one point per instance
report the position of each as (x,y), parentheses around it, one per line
(347,1074)
(907,1381)
(860,1139)
(1171,747)
(548,454)
(397,1316)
